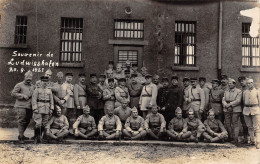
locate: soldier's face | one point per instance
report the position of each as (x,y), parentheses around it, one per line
(174,82)
(82,79)
(179,115)
(60,78)
(148,80)
(201,82)
(58,112)
(135,114)
(156,80)
(186,83)
(211,116)
(165,84)
(28,80)
(93,79)
(110,66)
(224,82)
(250,84)
(101,79)
(243,83)
(191,116)
(110,112)
(231,85)
(111,84)
(154,110)
(44,83)
(143,72)
(86,111)
(110,75)
(48,75)
(134,68)
(214,84)
(133,79)
(69,79)
(193,83)
(127,75)
(124,104)
(118,69)
(122,83)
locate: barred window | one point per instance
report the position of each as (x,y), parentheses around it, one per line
(20,30)
(129,29)
(185,43)
(71,40)
(250,48)
(130,55)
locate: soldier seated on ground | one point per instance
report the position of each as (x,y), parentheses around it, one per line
(58,126)
(134,126)
(175,126)
(110,126)
(155,124)
(85,126)
(193,127)
(215,130)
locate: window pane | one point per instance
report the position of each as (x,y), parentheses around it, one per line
(131,29)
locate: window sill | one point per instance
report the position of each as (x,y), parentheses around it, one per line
(128,42)
(250,69)
(13,46)
(185,68)
(73,65)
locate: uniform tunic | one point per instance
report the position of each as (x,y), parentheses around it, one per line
(61,92)
(215,100)
(123,114)
(214,126)
(119,75)
(85,124)
(148,96)
(42,100)
(134,92)
(109,98)
(135,124)
(121,94)
(176,125)
(232,96)
(93,92)
(186,102)
(80,95)
(251,99)
(197,98)
(154,121)
(195,126)
(55,124)
(110,124)
(115,83)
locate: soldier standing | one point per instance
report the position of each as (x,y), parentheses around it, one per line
(23,93)
(134,126)
(148,96)
(109,95)
(251,111)
(215,100)
(101,80)
(206,88)
(110,75)
(224,83)
(43,106)
(186,101)
(196,98)
(94,96)
(121,93)
(156,81)
(134,70)
(119,72)
(163,96)
(110,67)
(232,110)
(135,90)
(85,126)
(48,74)
(215,130)
(80,95)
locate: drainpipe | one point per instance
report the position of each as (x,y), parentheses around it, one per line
(219,63)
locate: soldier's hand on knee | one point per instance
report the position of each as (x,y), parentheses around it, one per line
(117,134)
(36,111)
(76,132)
(25,97)
(47,131)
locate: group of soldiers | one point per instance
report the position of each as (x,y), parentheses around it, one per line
(109,107)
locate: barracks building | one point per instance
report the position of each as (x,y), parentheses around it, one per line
(181,37)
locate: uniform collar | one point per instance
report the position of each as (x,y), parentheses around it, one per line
(232,90)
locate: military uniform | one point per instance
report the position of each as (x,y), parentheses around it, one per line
(109,98)
(23,104)
(134,127)
(58,127)
(232,114)
(175,127)
(186,101)
(215,102)
(192,129)
(251,111)
(80,97)
(134,92)
(123,114)
(155,123)
(109,124)
(115,83)
(121,94)
(197,100)
(85,125)
(148,96)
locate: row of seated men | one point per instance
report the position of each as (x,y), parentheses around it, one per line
(136,128)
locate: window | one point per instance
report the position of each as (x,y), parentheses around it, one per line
(250,48)
(129,29)
(20,30)
(185,43)
(71,40)
(124,55)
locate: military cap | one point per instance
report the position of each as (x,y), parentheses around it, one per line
(59,74)
(102,75)
(110,80)
(119,65)
(127,71)
(155,76)
(143,69)
(191,111)
(175,77)
(68,74)
(86,107)
(148,75)
(109,71)
(224,77)
(44,78)
(215,80)
(134,65)
(186,79)
(232,80)
(28,74)
(202,79)
(250,80)
(111,62)
(134,109)
(93,75)
(58,108)
(165,79)
(82,74)
(48,72)
(193,79)
(178,109)
(122,79)
(211,111)
(134,75)
(241,78)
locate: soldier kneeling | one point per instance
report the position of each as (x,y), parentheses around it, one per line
(85,126)
(175,126)
(193,127)
(109,126)
(134,126)
(155,124)
(215,130)
(57,127)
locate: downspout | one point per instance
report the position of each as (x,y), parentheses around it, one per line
(219,56)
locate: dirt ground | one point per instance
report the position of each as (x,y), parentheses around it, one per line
(76,153)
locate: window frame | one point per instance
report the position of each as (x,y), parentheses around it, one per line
(17,33)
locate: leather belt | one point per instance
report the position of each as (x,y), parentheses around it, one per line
(146,95)
(219,102)
(196,100)
(252,105)
(43,101)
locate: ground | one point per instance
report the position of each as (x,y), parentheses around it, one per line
(12,153)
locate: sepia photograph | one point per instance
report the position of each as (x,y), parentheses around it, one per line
(129,81)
